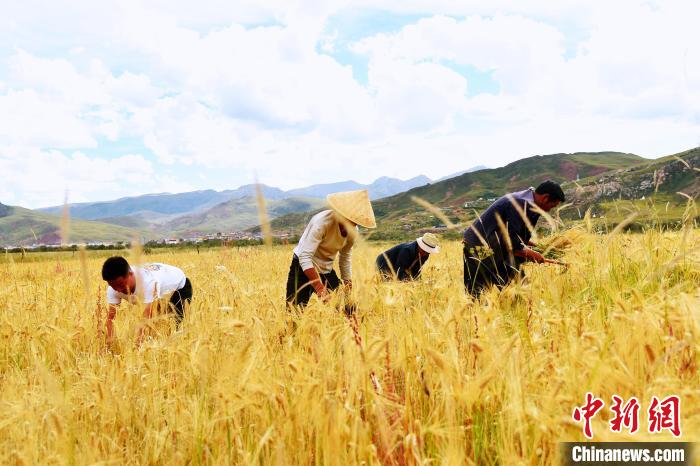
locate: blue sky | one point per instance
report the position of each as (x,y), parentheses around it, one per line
(120,98)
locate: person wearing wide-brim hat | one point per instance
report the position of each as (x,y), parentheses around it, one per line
(329,233)
(405,261)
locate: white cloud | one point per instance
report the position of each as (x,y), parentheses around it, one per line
(634,68)
(28,119)
(517,49)
(250,88)
(51,104)
(48,174)
(271,76)
(434,93)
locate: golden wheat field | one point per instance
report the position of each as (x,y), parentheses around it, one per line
(434,377)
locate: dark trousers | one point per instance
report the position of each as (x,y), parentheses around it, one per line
(299,289)
(178,300)
(480,274)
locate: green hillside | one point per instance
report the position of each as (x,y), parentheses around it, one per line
(19,226)
(649,190)
(512,177)
(398,214)
(595,180)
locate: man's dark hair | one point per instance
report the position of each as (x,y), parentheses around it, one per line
(115,267)
(553,189)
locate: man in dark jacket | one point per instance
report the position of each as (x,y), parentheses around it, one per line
(405,261)
(496,244)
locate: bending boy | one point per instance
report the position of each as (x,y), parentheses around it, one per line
(144,284)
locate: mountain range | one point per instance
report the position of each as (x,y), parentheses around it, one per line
(181,214)
(610,184)
(166,205)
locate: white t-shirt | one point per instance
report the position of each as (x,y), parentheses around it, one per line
(153,281)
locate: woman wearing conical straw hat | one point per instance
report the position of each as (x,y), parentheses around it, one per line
(329,233)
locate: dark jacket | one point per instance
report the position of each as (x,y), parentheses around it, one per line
(518,232)
(405,261)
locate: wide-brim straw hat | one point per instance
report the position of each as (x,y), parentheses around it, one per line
(355,206)
(428,243)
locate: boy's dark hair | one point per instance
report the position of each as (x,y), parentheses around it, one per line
(115,267)
(553,189)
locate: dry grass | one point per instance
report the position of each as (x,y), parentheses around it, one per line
(459,382)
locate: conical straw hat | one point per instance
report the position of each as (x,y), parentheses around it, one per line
(355,206)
